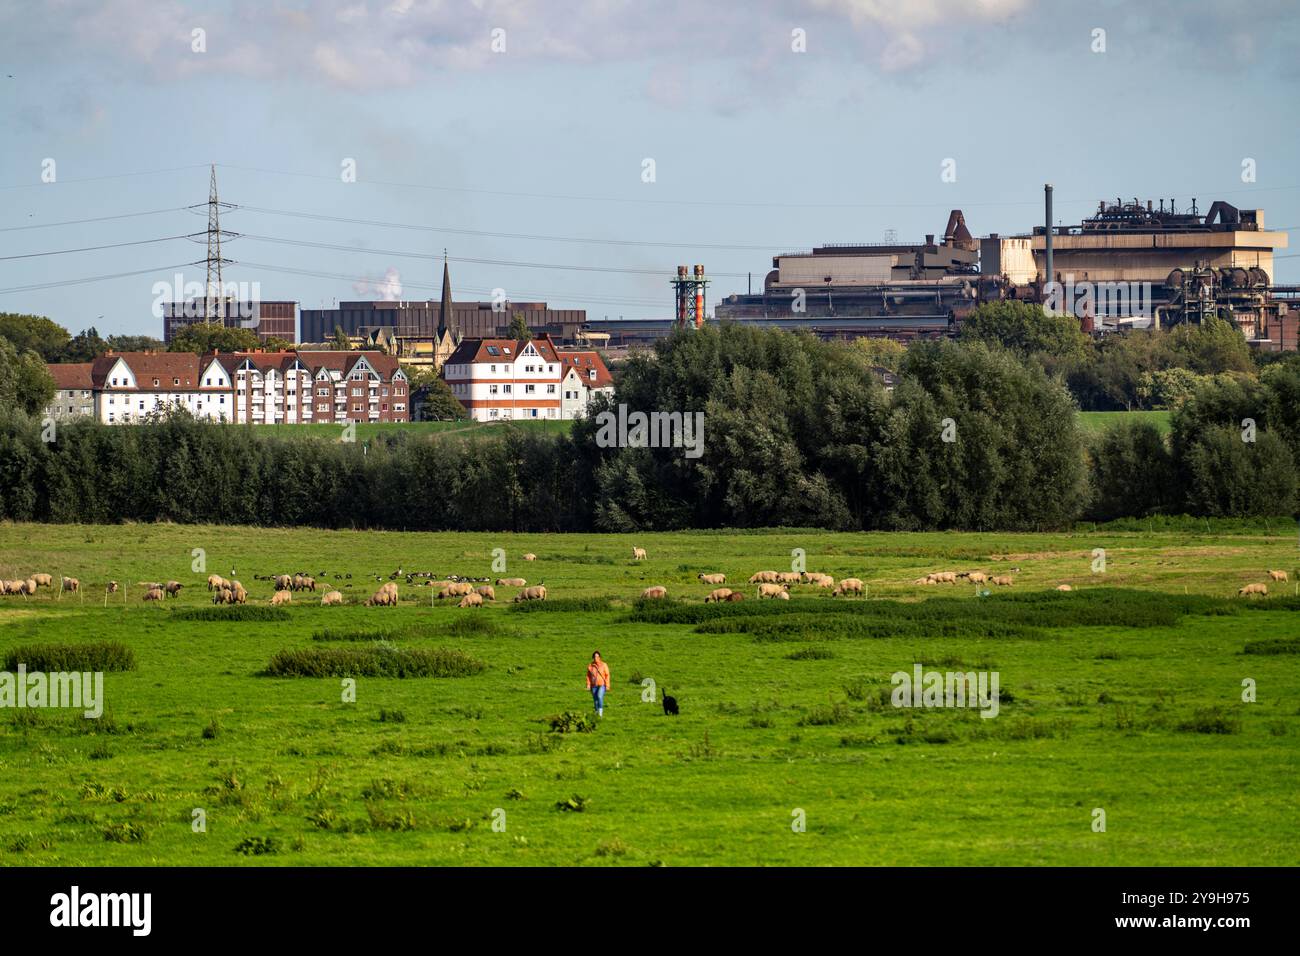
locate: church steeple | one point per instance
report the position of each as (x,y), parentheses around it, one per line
(446,318)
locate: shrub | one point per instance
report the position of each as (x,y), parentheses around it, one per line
(1273,645)
(246,613)
(571,722)
(257,846)
(574,804)
(1212,720)
(354,634)
(561,605)
(810,654)
(125,833)
(826,714)
(51,658)
(380,661)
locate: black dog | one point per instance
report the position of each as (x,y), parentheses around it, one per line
(670,706)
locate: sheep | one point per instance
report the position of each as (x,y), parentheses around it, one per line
(297,583)
(511,583)
(530,556)
(638,554)
(173,588)
(925,580)
(71,584)
(386,596)
(848,585)
(718,595)
(735,596)
(977,577)
(823,581)
(45,580)
(782,596)
(458,589)
(111,587)
(308,583)
(283,582)
(486,592)
(535,593)
(1278,575)
(654,593)
(154,594)
(473,599)
(331,597)
(712,578)
(789,577)
(1002,580)
(222,596)
(281,597)
(946,577)
(1253,589)
(1064,587)
(770,590)
(214,581)
(764,577)
(29,586)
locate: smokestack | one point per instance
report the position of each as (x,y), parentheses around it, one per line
(1047,212)
(699,296)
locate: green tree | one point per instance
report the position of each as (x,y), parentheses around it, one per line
(25,382)
(432,395)
(135,343)
(85,346)
(1025,328)
(519,329)
(881,353)
(341,343)
(34,332)
(203,337)
(1131,472)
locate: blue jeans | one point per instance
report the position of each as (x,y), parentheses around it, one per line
(598,696)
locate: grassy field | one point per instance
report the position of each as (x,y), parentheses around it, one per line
(1123,696)
(1100,421)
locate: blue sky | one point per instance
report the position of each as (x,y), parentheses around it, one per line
(757,149)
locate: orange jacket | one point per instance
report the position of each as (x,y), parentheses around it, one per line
(597,675)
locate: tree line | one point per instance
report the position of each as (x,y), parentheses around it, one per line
(797,432)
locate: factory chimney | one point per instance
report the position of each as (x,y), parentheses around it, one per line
(1047,212)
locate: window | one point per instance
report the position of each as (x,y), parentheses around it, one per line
(114,381)
(384,391)
(322,391)
(507,389)
(533,411)
(492,413)
(550,389)
(356,393)
(175,381)
(384,407)
(494,369)
(155,383)
(142,404)
(222,400)
(492,350)
(399,407)
(530,389)
(492,389)
(591,373)
(356,408)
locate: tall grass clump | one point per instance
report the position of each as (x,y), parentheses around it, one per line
(49,658)
(382,660)
(234,612)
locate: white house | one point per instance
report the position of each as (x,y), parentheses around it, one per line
(531,379)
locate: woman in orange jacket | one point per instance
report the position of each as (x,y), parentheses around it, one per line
(598,682)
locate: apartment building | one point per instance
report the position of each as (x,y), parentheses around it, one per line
(504,379)
(256,388)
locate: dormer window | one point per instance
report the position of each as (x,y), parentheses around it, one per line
(175,381)
(155,383)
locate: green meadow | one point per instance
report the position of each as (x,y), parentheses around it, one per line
(1122,698)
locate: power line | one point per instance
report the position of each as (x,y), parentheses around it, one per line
(81,222)
(665,271)
(605,300)
(505,235)
(95,179)
(66,282)
(111,245)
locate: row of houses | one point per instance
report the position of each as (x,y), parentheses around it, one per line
(244,387)
(495,379)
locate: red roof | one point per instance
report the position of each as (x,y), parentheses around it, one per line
(584,362)
(72,375)
(472,351)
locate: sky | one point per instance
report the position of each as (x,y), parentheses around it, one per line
(577,152)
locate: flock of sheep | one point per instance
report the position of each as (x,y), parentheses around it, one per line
(773,585)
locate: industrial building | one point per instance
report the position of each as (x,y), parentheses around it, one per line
(1134,264)
(433,327)
(277,319)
